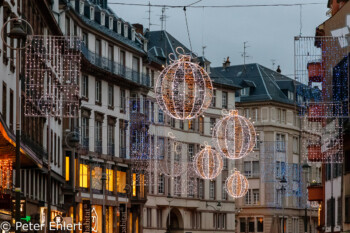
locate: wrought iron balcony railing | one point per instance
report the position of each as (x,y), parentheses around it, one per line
(116,68)
(39,150)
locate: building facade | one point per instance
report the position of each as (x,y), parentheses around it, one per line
(268,99)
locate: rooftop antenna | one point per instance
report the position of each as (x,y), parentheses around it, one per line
(244,54)
(163,18)
(203,49)
(149,15)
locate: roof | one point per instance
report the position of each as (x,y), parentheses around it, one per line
(162,44)
(264,83)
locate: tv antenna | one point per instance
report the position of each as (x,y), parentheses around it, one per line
(244,54)
(163,18)
(203,49)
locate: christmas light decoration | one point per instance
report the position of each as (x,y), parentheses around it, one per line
(51,81)
(5,175)
(236,185)
(208,163)
(234,136)
(183,89)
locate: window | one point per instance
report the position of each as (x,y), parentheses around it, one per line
(190,152)
(67,26)
(110,96)
(256,169)
(256,197)
(191,124)
(201,188)
(110,24)
(149,217)
(81,7)
(248,197)
(212,124)
(224,100)
(247,169)
(98,136)
(85,132)
(110,138)
(339,209)
(242,225)
(245,91)
(347,209)
(251,225)
(122,100)
(212,189)
(161,184)
(92,13)
(160,116)
(83,175)
(257,144)
(224,193)
(4,101)
(260,225)
(103,18)
(190,186)
(213,100)
(159,218)
(110,180)
(85,88)
(181,125)
(122,138)
(280,142)
(255,114)
(67,167)
(85,39)
(201,124)
(98,48)
(283,117)
(98,92)
(296,145)
(251,168)
(225,160)
(134,184)
(121,181)
(11,110)
(290,95)
(122,58)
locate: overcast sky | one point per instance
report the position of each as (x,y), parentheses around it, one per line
(269,31)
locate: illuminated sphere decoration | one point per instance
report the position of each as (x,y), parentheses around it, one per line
(183,89)
(208,163)
(234,136)
(236,185)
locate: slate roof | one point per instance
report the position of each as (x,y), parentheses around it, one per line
(265,84)
(162,43)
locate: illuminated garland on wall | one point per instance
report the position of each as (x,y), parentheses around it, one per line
(5,175)
(183,89)
(234,136)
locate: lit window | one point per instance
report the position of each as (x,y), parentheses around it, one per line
(134,184)
(121,181)
(83,179)
(67,168)
(110,179)
(142,185)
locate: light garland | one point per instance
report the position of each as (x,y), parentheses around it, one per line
(183,89)
(52,71)
(236,185)
(208,163)
(5,175)
(234,136)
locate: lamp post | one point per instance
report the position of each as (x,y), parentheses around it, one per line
(283,181)
(18,33)
(169,199)
(306,168)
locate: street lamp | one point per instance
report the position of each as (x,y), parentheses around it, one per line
(217,208)
(283,181)
(306,168)
(18,33)
(169,199)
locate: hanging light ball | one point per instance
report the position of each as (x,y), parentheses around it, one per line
(234,136)
(183,89)
(236,185)
(208,163)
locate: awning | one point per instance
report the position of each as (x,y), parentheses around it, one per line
(8,148)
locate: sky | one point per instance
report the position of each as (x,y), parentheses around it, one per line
(269,31)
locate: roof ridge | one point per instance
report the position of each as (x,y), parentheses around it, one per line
(263,81)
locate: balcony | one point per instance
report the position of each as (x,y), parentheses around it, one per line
(116,68)
(35,147)
(315,192)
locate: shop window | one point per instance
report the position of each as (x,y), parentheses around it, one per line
(121,181)
(134,184)
(110,180)
(67,168)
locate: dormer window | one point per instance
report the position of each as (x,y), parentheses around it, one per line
(103,18)
(245,91)
(126,30)
(110,24)
(145,45)
(119,27)
(81,7)
(133,34)
(92,13)
(290,95)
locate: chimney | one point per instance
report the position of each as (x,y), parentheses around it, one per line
(278,69)
(226,63)
(138,28)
